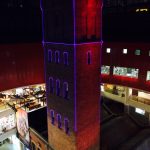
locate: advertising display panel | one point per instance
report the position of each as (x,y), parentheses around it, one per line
(22,125)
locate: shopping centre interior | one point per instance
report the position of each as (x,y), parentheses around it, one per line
(26,100)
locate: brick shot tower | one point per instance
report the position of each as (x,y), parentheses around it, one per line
(72,43)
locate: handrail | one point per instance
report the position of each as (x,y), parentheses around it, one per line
(107,109)
(138,123)
(41,138)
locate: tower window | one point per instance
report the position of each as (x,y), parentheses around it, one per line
(51,86)
(65,90)
(89,58)
(52,116)
(65,58)
(66,123)
(49,56)
(137,52)
(57,57)
(57,87)
(59,121)
(125,51)
(108,50)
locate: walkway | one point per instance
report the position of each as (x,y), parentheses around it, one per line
(12,144)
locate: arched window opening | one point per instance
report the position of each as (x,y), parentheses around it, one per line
(49,56)
(59,121)
(88,58)
(65,90)
(66,123)
(51,86)
(57,57)
(65,58)
(58,87)
(52,116)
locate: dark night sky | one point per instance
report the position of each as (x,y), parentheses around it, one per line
(121,22)
(21,21)
(126,27)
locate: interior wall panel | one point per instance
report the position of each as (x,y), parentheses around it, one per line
(21,65)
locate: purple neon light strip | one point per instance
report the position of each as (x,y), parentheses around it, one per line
(101,25)
(75,91)
(41,7)
(73,43)
(44,53)
(101,57)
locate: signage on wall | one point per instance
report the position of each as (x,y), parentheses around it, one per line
(22,125)
(140,111)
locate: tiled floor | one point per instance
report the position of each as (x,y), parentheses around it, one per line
(12,144)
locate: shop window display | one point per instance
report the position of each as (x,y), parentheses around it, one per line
(148,76)
(105,69)
(137,52)
(114,89)
(129,72)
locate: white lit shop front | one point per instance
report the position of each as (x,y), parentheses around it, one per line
(7,124)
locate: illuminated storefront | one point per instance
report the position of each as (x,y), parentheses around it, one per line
(7,124)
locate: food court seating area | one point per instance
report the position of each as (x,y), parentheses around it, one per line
(28,98)
(1,102)
(29,103)
(140,99)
